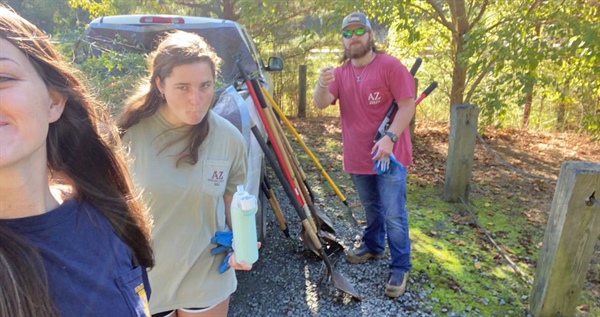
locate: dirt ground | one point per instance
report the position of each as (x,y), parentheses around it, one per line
(532,164)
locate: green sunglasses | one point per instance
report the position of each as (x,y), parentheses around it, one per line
(359,32)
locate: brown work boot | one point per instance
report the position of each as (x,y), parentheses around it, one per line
(361,255)
(396,285)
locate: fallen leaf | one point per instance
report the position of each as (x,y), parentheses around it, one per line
(458,242)
(583,307)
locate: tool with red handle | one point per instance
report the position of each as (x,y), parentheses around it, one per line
(387,120)
(338,280)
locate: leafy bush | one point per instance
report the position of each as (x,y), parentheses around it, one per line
(591,124)
(114,75)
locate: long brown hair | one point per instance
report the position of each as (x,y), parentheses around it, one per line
(175,49)
(23,286)
(97,173)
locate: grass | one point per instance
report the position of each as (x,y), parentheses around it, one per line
(466,272)
(466,275)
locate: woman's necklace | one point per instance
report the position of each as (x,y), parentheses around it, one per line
(363,70)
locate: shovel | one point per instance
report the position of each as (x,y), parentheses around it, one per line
(275,165)
(289,125)
(323,221)
(318,221)
(338,280)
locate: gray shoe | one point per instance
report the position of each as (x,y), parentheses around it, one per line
(361,255)
(396,285)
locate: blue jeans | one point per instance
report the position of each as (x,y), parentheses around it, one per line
(384,199)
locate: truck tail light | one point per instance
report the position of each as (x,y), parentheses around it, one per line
(154,19)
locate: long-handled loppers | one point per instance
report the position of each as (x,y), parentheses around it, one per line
(387,120)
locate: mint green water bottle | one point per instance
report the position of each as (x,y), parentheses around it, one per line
(243,221)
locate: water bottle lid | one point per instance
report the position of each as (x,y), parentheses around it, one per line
(240,188)
(248,203)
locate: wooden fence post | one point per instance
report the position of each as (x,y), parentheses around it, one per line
(302,91)
(461,148)
(571,234)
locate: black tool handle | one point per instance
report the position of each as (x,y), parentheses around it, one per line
(278,172)
(416,65)
(426,92)
(430,88)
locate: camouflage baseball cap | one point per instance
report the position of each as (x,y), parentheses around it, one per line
(356,18)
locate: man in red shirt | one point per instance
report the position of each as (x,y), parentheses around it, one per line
(366,84)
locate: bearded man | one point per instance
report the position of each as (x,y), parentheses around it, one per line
(366,84)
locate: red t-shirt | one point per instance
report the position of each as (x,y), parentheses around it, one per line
(363,105)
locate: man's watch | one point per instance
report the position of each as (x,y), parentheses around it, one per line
(392,136)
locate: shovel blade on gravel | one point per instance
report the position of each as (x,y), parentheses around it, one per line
(341,283)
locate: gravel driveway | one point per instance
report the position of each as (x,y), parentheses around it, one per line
(285,280)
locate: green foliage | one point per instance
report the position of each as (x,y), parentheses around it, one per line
(513,51)
(302,33)
(114,76)
(590,122)
(96,8)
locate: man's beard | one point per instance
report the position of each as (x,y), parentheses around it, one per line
(357,51)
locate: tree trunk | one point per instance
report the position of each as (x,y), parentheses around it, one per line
(459,73)
(560,115)
(529,85)
(541,112)
(562,110)
(527,108)
(229,10)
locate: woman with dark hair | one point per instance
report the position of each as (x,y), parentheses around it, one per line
(187,160)
(74,238)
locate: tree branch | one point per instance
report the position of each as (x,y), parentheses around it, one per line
(442,17)
(486,31)
(478,80)
(479,15)
(188,3)
(532,7)
(429,14)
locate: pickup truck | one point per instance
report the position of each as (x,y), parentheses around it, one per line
(231,41)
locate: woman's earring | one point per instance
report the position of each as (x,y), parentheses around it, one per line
(162,95)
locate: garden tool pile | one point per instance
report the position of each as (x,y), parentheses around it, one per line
(317,231)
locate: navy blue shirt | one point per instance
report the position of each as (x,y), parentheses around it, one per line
(90,269)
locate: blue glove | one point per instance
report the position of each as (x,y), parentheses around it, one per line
(225,265)
(386,165)
(223,240)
